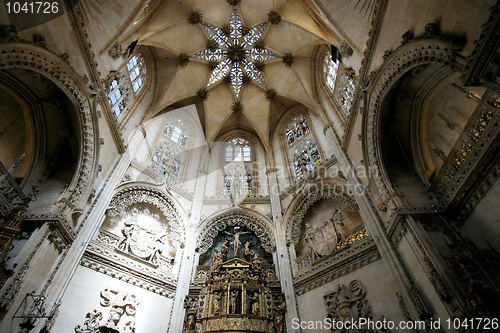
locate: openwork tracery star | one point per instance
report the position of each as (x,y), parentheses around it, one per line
(236,52)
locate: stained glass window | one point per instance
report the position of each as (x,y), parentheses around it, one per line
(297,128)
(341,85)
(302,149)
(305,158)
(346,94)
(166,161)
(238,181)
(176,131)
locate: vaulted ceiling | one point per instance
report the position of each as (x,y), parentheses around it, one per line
(173,35)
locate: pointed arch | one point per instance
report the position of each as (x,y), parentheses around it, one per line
(254,221)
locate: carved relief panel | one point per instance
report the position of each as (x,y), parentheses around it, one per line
(119,317)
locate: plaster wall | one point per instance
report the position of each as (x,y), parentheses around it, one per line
(380,294)
(82,297)
(482,225)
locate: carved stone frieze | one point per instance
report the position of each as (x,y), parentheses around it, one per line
(477,137)
(336,265)
(235,218)
(160,284)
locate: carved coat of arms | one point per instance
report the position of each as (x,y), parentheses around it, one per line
(144,243)
(323,240)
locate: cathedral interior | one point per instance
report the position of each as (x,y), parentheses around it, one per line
(249,165)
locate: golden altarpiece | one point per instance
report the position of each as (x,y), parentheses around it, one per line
(236,288)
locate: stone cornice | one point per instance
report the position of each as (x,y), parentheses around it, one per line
(337,265)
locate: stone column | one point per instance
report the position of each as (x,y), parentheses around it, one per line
(282,258)
(189,255)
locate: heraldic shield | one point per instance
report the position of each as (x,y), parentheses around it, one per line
(323,240)
(145,242)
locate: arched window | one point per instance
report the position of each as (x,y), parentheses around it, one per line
(340,84)
(330,69)
(166,161)
(119,87)
(116,96)
(238,168)
(302,148)
(238,150)
(176,131)
(137,72)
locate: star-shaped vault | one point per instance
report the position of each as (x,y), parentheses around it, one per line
(237,52)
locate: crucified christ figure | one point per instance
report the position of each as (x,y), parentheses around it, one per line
(236,242)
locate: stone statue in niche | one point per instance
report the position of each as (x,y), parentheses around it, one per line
(256,261)
(192,309)
(252,303)
(347,303)
(233,302)
(216,304)
(236,241)
(323,240)
(278,317)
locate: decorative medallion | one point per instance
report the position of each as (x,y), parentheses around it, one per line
(236,49)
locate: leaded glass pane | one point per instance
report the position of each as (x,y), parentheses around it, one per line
(246,154)
(330,69)
(217,35)
(229,153)
(211,55)
(115,97)
(235,27)
(132,63)
(252,71)
(238,181)
(237,78)
(260,54)
(254,35)
(138,84)
(220,71)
